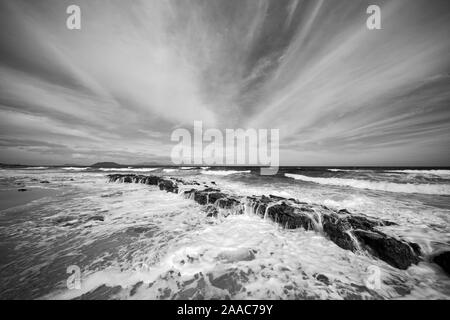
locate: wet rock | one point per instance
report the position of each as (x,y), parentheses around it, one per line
(214,196)
(323,278)
(230,281)
(211,211)
(103,292)
(45,181)
(443,260)
(201,197)
(22,190)
(349,231)
(168,185)
(397,253)
(227,203)
(95,218)
(135,288)
(337,230)
(289,217)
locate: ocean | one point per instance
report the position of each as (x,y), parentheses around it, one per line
(135,241)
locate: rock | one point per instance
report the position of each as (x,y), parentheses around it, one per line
(211,211)
(22,190)
(95,218)
(168,185)
(214,196)
(337,230)
(227,203)
(397,253)
(347,230)
(443,260)
(289,217)
(45,181)
(323,278)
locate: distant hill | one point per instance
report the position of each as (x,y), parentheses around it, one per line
(107,165)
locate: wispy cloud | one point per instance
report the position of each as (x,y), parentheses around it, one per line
(339,93)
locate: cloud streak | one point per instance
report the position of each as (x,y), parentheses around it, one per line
(339,93)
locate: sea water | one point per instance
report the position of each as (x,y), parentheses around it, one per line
(133,241)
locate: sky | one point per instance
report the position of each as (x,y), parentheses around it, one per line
(340,94)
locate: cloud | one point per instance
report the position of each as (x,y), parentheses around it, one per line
(136,71)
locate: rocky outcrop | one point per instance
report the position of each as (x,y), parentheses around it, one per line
(443,260)
(354,232)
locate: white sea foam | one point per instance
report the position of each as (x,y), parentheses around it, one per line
(170,170)
(75,168)
(436,172)
(438,189)
(36,168)
(223,172)
(129,169)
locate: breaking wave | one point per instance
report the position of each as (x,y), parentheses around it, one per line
(438,189)
(223,172)
(425,172)
(129,169)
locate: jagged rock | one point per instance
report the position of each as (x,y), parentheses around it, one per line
(349,231)
(443,260)
(338,231)
(227,203)
(289,217)
(168,185)
(357,232)
(395,252)
(95,218)
(211,211)
(214,196)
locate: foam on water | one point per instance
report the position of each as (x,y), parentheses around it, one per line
(128,169)
(223,172)
(153,244)
(441,173)
(437,189)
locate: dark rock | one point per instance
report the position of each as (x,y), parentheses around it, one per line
(45,181)
(22,190)
(152,180)
(324,279)
(95,218)
(168,185)
(227,203)
(443,260)
(337,230)
(212,211)
(214,196)
(395,252)
(289,217)
(201,197)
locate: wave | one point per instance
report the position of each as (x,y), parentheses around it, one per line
(425,172)
(437,189)
(75,168)
(170,170)
(129,169)
(223,172)
(36,168)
